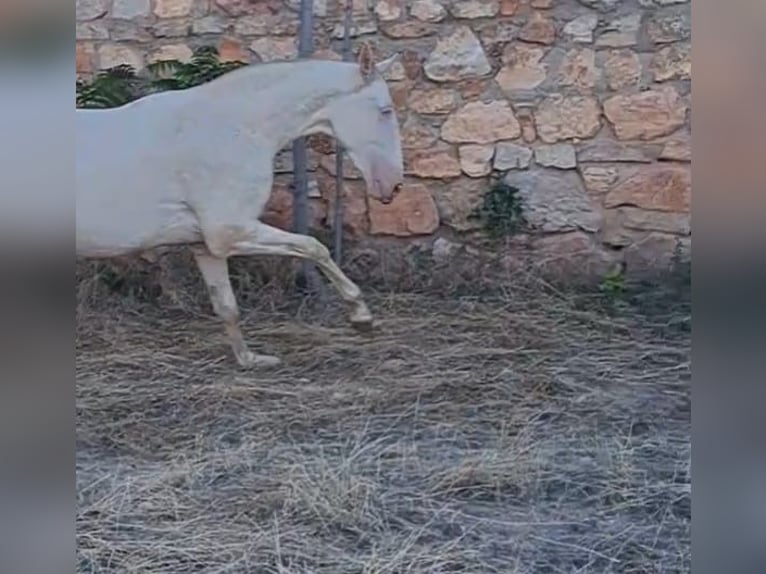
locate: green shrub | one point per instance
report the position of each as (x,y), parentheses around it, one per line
(613,285)
(110,88)
(500,212)
(203,67)
(120,85)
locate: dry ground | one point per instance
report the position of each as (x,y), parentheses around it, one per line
(515,432)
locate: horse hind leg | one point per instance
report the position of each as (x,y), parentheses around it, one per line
(215,273)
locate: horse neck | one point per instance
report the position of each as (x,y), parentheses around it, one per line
(282,101)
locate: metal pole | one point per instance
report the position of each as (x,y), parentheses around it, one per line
(300,192)
(338,218)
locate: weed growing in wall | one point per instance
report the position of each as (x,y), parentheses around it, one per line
(613,284)
(500,212)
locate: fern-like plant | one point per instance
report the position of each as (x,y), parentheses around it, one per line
(110,88)
(204,66)
(119,85)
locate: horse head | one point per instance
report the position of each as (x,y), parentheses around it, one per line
(365,122)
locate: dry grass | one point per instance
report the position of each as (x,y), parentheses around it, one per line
(515,432)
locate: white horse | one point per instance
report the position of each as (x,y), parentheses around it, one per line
(195,167)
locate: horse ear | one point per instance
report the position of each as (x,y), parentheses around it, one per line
(366,62)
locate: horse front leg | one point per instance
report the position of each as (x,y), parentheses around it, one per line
(215,273)
(262,239)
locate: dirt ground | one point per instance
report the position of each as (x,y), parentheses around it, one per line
(519,432)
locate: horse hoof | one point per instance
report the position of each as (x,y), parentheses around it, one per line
(361,318)
(251,361)
(365,326)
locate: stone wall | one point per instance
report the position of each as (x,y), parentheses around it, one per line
(584,105)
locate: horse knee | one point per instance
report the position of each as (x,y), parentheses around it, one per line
(220,240)
(218,248)
(318,251)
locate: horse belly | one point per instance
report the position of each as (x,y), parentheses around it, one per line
(127,200)
(109,232)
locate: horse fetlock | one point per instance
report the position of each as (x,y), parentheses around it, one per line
(226,308)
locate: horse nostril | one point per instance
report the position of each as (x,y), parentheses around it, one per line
(397,188)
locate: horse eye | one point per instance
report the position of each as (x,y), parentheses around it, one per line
(387,111)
